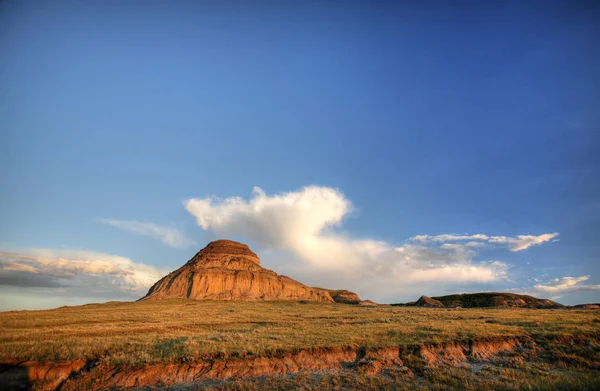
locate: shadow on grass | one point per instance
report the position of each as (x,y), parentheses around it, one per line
(14,377)
(170,348)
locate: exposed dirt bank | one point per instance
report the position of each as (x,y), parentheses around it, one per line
(93,374)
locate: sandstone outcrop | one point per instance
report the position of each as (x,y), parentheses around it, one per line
(342,296)
(228,270)
(425,301)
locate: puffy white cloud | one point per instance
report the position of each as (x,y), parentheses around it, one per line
(170,236)
(304,223)
(83,270)
(297,220)
(516,243)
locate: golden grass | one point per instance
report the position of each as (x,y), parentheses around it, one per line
(180,330)
(435,379)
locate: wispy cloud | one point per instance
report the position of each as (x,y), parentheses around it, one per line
(304,223)
(77,272)
(566,285)
(448,238)
(559,287)
(170,236)
(516,243)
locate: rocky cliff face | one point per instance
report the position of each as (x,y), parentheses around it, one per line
(228,270)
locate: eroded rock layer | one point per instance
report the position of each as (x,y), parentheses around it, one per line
(228,270)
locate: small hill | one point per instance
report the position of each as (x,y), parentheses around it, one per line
(482,300)
(495,299)
(425,301)
(228,270)
(590,306)
(342,296)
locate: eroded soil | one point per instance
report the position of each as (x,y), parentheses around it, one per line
(427,366)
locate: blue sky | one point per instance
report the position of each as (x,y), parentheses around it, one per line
(388,121)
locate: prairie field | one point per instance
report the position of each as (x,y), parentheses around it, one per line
(178,331)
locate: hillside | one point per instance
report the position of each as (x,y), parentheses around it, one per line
(483,300)
(495,299)
(589,306)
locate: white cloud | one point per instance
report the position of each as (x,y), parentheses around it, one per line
(516,243)
(449,237)
(521,242)
(298,221)
(462,246)
(303,223)
(76,269)
(560,286)
(170,236)
(484,272)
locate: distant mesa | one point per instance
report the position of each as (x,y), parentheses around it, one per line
(228,270)
(482,300)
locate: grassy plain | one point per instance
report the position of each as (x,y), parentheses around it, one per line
(175,331)
(527,378)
